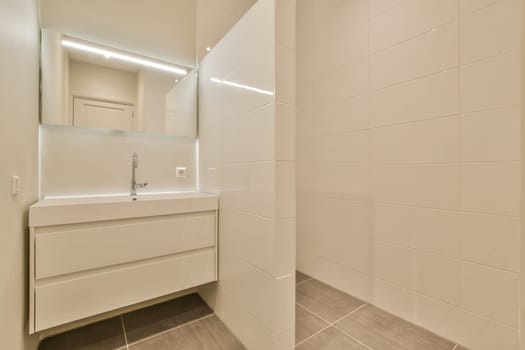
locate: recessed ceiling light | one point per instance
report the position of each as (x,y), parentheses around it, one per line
(208,49)
(123,57)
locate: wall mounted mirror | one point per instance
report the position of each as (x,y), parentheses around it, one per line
(120,65)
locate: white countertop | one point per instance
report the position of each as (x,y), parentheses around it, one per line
(70,210)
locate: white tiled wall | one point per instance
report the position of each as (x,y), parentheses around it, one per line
(408,159)
(247,155)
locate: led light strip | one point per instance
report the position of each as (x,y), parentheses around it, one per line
(127,58)
(108,195)
(246,87)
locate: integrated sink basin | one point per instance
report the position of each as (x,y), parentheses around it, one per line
(61,211)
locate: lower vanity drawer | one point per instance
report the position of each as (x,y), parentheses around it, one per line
(66,249)
(59,301)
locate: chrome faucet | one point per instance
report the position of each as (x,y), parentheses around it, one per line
(134,183)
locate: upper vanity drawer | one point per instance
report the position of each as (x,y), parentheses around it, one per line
(72,248)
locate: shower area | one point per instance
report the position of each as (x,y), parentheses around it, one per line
(408,173)
(374,147)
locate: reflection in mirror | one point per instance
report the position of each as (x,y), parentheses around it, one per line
(86,84)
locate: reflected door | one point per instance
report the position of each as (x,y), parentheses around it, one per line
(90,113)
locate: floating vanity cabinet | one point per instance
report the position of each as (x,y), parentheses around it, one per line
(93,255)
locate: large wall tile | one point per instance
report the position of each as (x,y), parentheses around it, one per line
(434,186)
(380,6)
(440,317)
(491,30)
(491,83)
(429,230)
(491,135)
(430,53)
(490,292)
(408,19)
(490,240)
(491,187)
(393,298)
(482,333)
(432,96)
(431,141)
(437,276)
(394,264)
(343,116)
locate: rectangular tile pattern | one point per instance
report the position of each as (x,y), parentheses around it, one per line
(327,319)
(326,302)
(185,323)
(206,334)
(382,331)
(330,339)
(306,324)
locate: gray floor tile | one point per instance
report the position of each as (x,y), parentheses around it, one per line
(306,324)
(180,338)
(103,335)
(330,339)
(207,334)
(301,277)
(383,331)
(213,328)
(159,318)
(325,301)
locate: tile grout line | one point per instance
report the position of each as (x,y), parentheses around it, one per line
(124,330)
(172,329)
(332,324)
(352,337)
(313,335)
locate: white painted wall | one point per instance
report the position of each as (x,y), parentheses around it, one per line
(19,46)
(89,80)
(247,157)
(409,159)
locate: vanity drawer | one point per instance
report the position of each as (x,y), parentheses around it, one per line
(67,300)
(66,249)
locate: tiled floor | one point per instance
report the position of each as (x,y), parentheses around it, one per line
(328,319)
(186,323)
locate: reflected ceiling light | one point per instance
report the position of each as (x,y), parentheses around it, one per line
(123,57)
(240,86)
(208,49)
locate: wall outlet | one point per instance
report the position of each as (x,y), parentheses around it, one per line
(180,171)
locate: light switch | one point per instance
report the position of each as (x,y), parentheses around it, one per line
(15,185)
(180,172)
